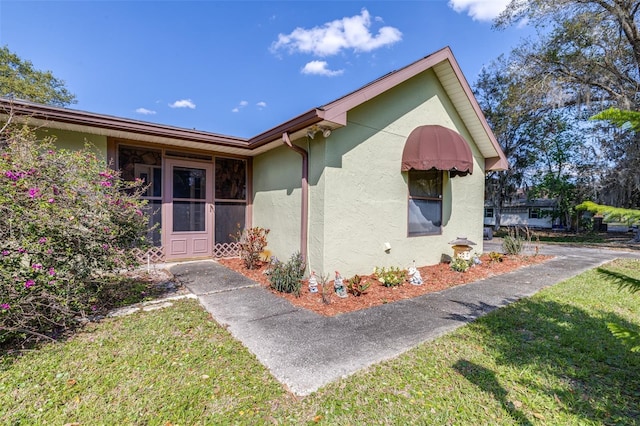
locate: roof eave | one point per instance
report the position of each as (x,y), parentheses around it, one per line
(496,164)
(52,114)
(333,114)
(341,106)
(298,123)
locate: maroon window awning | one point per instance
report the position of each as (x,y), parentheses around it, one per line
(436,147)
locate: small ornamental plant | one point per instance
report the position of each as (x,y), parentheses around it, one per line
(515,241)
(391,276)
(459,265)
(287,277)
(67,224)
(356,286)
(325,288)
(252,242)
(496,257)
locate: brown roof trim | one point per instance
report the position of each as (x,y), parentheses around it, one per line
(386,82)
(334,112)
(500,161)
(340,106)
(82,118)
(298,123)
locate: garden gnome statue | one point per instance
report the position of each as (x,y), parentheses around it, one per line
(338,285)
(414,275)
(313,282)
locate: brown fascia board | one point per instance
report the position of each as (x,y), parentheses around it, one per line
(300,122)
(82,118)
(336,110)
(494,163)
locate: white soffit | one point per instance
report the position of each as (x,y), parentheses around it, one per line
(453,87)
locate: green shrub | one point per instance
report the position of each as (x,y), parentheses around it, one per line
(390,277)
(460,265)
(356,286)
(514,242)
(512,245)
(494,256)
(68,222)
(252,242)
(287,277)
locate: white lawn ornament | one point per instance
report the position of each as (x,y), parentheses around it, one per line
(313,282)
(339,287)
(414,275)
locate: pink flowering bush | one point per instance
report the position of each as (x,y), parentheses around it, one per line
(67,222)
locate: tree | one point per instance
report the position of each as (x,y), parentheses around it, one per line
(66,224)
(499,97)
(19,79)
(593,46)
(541,141)
(630,120)
(586,57)
(624,119)
(610,213)
(622,182)
(558,143)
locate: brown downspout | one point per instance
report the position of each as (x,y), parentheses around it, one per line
(304,220)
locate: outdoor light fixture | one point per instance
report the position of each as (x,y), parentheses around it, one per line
(311,131)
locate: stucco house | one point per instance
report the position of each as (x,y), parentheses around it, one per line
(383,176)
(534,213)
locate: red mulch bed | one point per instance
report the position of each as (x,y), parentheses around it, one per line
(436,278)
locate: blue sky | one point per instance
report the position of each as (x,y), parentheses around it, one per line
(239,68)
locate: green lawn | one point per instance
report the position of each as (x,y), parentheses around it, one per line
(549,359)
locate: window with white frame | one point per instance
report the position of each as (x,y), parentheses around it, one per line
(425,202)
(488,212)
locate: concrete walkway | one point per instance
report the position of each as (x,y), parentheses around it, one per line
(305,351)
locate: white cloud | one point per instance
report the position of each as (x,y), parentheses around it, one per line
(241,104)
(479,10)
(320,68)
(145,111)
(333,37)
(261,104)
(183,103)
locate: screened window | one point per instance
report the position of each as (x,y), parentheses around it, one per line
(425,202)
(145,164)
(231,198)
(488,212)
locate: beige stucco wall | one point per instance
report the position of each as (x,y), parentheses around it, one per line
(358,195)
(75,140)
(369,206)
(277,199)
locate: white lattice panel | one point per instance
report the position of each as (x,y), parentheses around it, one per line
(226,250)
(153,255)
